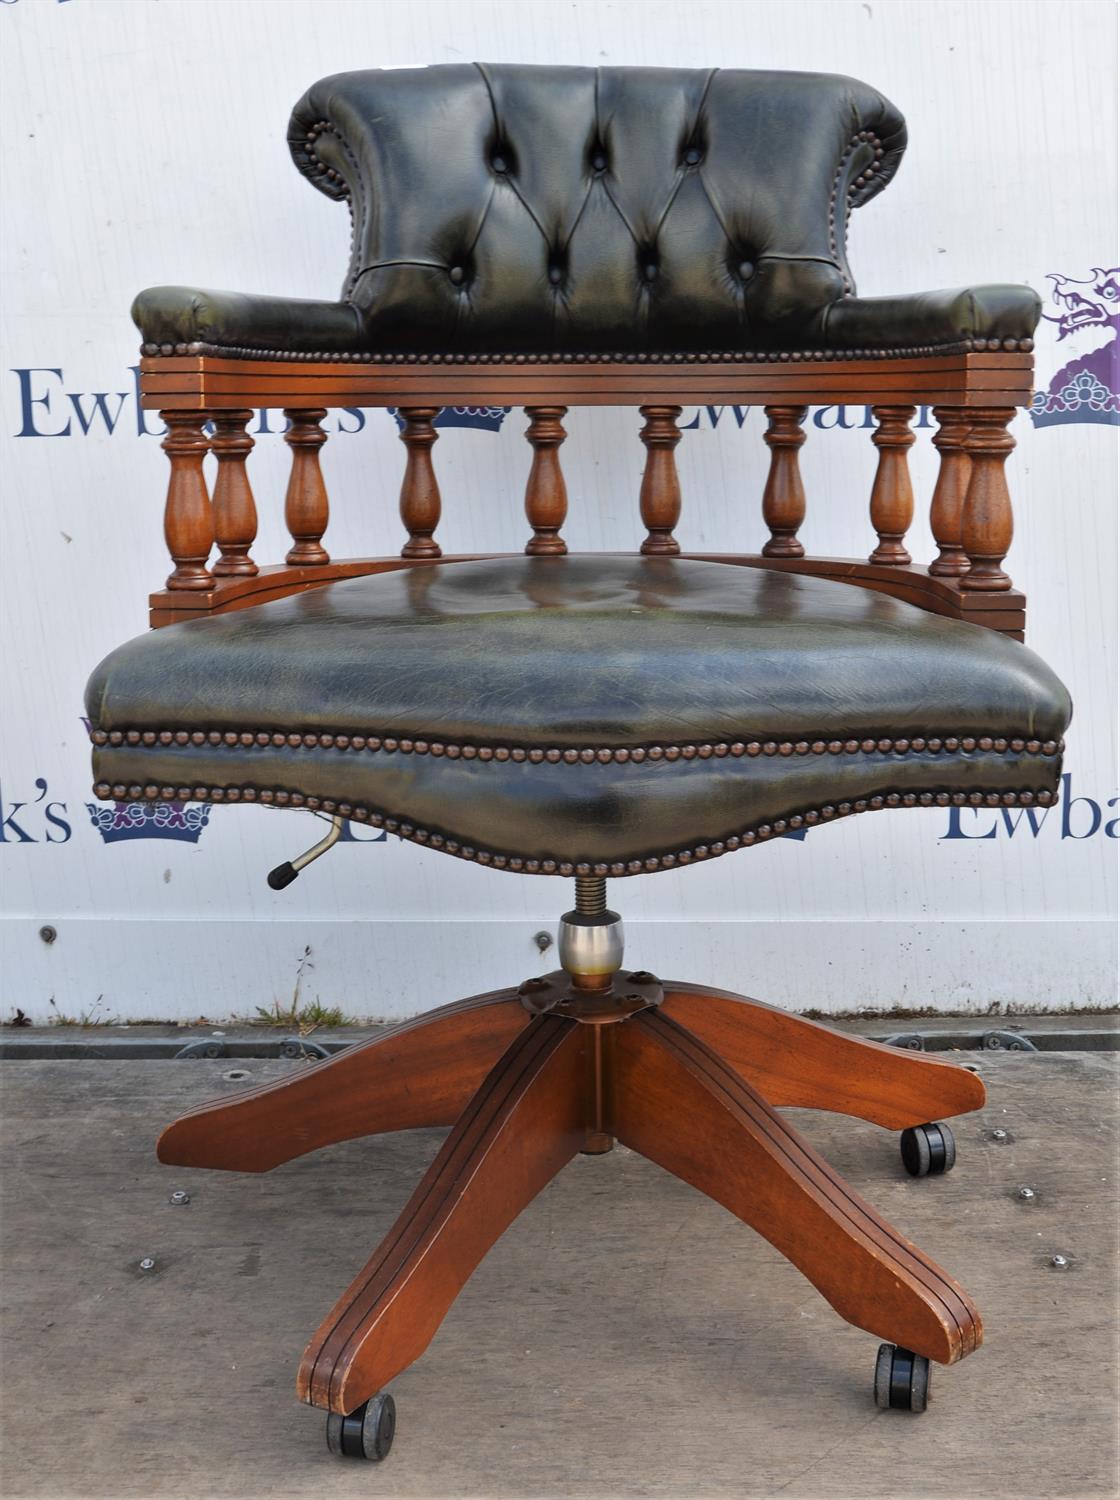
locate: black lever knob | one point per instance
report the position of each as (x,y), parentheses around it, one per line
(282,876)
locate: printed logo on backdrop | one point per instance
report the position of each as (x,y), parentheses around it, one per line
(1071,817)
(1086,312)
(49,409)
(32,819)
(484,418)
(120,821)
(183,822)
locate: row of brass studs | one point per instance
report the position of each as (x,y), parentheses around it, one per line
(519,865)
(570,755)
(724,356)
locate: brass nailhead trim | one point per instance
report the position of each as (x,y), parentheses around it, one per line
(233,739)
(618,868)
(339,188)
(855,192)
(728,356)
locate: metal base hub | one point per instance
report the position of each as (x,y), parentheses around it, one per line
(623,996)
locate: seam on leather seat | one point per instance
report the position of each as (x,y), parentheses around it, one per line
(518,864)
(234,739)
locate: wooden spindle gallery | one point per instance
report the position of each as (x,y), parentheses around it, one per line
(235,510)
(306,508)
(208,404)
(987,524)
(660,497)
(546,495)
(421,505)
(783,499)
(892,496)
(188,518)
(946,508)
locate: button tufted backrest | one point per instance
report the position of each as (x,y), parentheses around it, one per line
(501,208)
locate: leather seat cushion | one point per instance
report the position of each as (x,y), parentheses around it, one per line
(610,712)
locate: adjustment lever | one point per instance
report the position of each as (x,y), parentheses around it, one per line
(284,874)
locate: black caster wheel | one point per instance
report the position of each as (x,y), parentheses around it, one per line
(928,1150)
(901,1379)
(367,1432)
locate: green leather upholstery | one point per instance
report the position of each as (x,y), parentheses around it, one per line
(610,713)
(550,210)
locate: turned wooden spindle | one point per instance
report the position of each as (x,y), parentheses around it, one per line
(306,507)
(420,498)
(235,512)
(947,505)
(546,495)
(892,496)
(987,525)
(188,520)
(661,489)
(783,499)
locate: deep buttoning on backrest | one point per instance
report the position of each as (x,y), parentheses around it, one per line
(508,208)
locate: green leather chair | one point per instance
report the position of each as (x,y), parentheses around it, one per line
(556,237)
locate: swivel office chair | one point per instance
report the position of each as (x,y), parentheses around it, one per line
(556,237)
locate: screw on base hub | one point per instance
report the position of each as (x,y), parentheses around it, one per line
(591,895)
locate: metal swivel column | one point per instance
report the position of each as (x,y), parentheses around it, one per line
(590,937)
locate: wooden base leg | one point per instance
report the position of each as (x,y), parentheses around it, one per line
(679,1104)
(421,1073)
(792,1061)
(526,1122)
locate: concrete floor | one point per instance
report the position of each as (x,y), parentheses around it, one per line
(626,1338)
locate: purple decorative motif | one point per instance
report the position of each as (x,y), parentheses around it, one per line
(1087,388)
(149,820)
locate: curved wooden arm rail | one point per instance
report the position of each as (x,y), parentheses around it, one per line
(973,397)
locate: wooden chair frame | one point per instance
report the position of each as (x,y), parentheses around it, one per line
(527,1077)
(974,396)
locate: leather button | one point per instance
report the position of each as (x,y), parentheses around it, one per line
(499,163)
(649,271)
(456,274)
(746,269)
(599,161)
(693,156)
(556,275)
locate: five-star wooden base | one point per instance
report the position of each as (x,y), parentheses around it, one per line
(686,1076)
